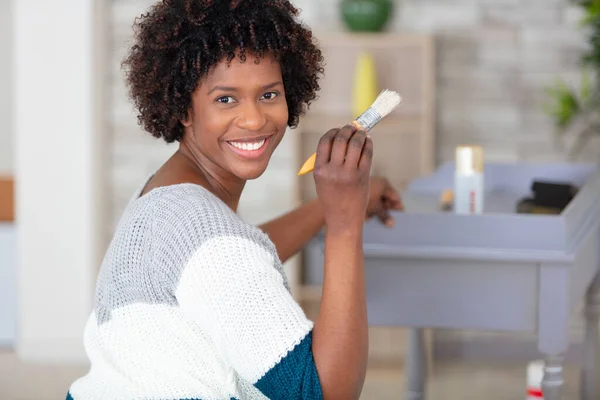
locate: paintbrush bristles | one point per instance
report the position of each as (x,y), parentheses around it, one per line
(386,102)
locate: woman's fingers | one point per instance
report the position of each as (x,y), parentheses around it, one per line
(340,144)
(355,148)
(384,216)
(366,157)
(392,199)
(324,147)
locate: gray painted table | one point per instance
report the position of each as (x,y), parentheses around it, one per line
(498,271)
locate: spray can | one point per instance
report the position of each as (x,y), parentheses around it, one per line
(468,180)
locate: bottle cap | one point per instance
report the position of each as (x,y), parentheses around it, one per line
(469,159)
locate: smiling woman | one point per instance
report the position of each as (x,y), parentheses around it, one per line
(192,302)
(238,115)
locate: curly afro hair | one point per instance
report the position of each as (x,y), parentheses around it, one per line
(178,42)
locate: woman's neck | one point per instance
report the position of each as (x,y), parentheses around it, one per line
(193,166)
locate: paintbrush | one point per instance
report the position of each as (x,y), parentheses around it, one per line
(381,107)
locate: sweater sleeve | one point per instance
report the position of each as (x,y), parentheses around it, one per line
(231,288)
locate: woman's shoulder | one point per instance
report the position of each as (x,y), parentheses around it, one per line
(190,214)
(184,200)
(185,205)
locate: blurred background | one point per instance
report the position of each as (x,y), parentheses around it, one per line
(510,75)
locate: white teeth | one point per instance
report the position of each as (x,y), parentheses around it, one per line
(248,145)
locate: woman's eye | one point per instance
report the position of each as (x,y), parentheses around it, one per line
(226,100)
(269,95)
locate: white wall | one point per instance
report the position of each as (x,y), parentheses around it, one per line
(6,59)
(59,184)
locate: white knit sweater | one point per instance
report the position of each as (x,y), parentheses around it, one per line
(192,303)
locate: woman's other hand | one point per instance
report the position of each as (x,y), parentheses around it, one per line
(382,199)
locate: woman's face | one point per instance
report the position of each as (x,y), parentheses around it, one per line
(238,116)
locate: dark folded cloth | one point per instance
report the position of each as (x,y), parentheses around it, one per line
(553,194)
(548,198)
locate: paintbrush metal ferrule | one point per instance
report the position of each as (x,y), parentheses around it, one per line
(369,119)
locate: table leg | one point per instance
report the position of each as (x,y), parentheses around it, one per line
(416,366)
(590,383)
(553,382)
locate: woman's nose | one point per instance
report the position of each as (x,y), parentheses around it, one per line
(252,117)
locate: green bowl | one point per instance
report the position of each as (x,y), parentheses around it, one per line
(366,15)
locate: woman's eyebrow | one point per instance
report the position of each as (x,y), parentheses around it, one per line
(222,88)
(234,89)
(272,85)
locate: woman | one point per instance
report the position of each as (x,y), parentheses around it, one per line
(191,302)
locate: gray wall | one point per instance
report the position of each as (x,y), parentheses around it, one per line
(6,142)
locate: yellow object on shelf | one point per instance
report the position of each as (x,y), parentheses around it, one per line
(365,89)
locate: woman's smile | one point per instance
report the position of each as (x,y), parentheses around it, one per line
(251,148)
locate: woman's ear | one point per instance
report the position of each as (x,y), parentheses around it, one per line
(187,120)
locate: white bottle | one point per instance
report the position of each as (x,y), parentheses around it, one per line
(468,180)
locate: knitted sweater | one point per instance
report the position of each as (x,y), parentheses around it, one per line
(192,303)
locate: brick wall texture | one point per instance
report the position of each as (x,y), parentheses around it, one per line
(493,60)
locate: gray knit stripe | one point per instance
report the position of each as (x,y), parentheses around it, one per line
(156,236)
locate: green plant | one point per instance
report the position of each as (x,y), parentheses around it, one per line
(566,103)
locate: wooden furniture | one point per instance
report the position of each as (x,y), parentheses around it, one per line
(404,141)
(7,201)
(498,271)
